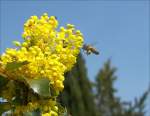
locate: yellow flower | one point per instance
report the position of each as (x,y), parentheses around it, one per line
(50,54)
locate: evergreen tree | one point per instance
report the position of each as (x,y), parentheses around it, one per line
(79,98)
(108,104)
(138,107)
(72,96)
(77,95)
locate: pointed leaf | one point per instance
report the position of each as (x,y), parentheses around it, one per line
(40,86)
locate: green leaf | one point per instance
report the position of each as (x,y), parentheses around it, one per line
(40,86)
(15,65)
(4,106)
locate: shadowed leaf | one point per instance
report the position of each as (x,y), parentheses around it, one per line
(40,86)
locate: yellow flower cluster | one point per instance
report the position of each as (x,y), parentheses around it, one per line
(27,108)
(50,109)
(50,51)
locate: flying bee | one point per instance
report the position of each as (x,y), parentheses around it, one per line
(90,49)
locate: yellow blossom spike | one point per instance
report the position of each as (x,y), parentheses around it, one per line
(50,54)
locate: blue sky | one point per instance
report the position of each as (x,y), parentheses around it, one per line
(119,29)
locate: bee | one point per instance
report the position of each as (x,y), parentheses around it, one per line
(90,49)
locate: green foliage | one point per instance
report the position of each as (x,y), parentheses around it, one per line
(79,98)
(77,95)
(108,103)
(86,87)
(21,91)
(138,108)
(41,86)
